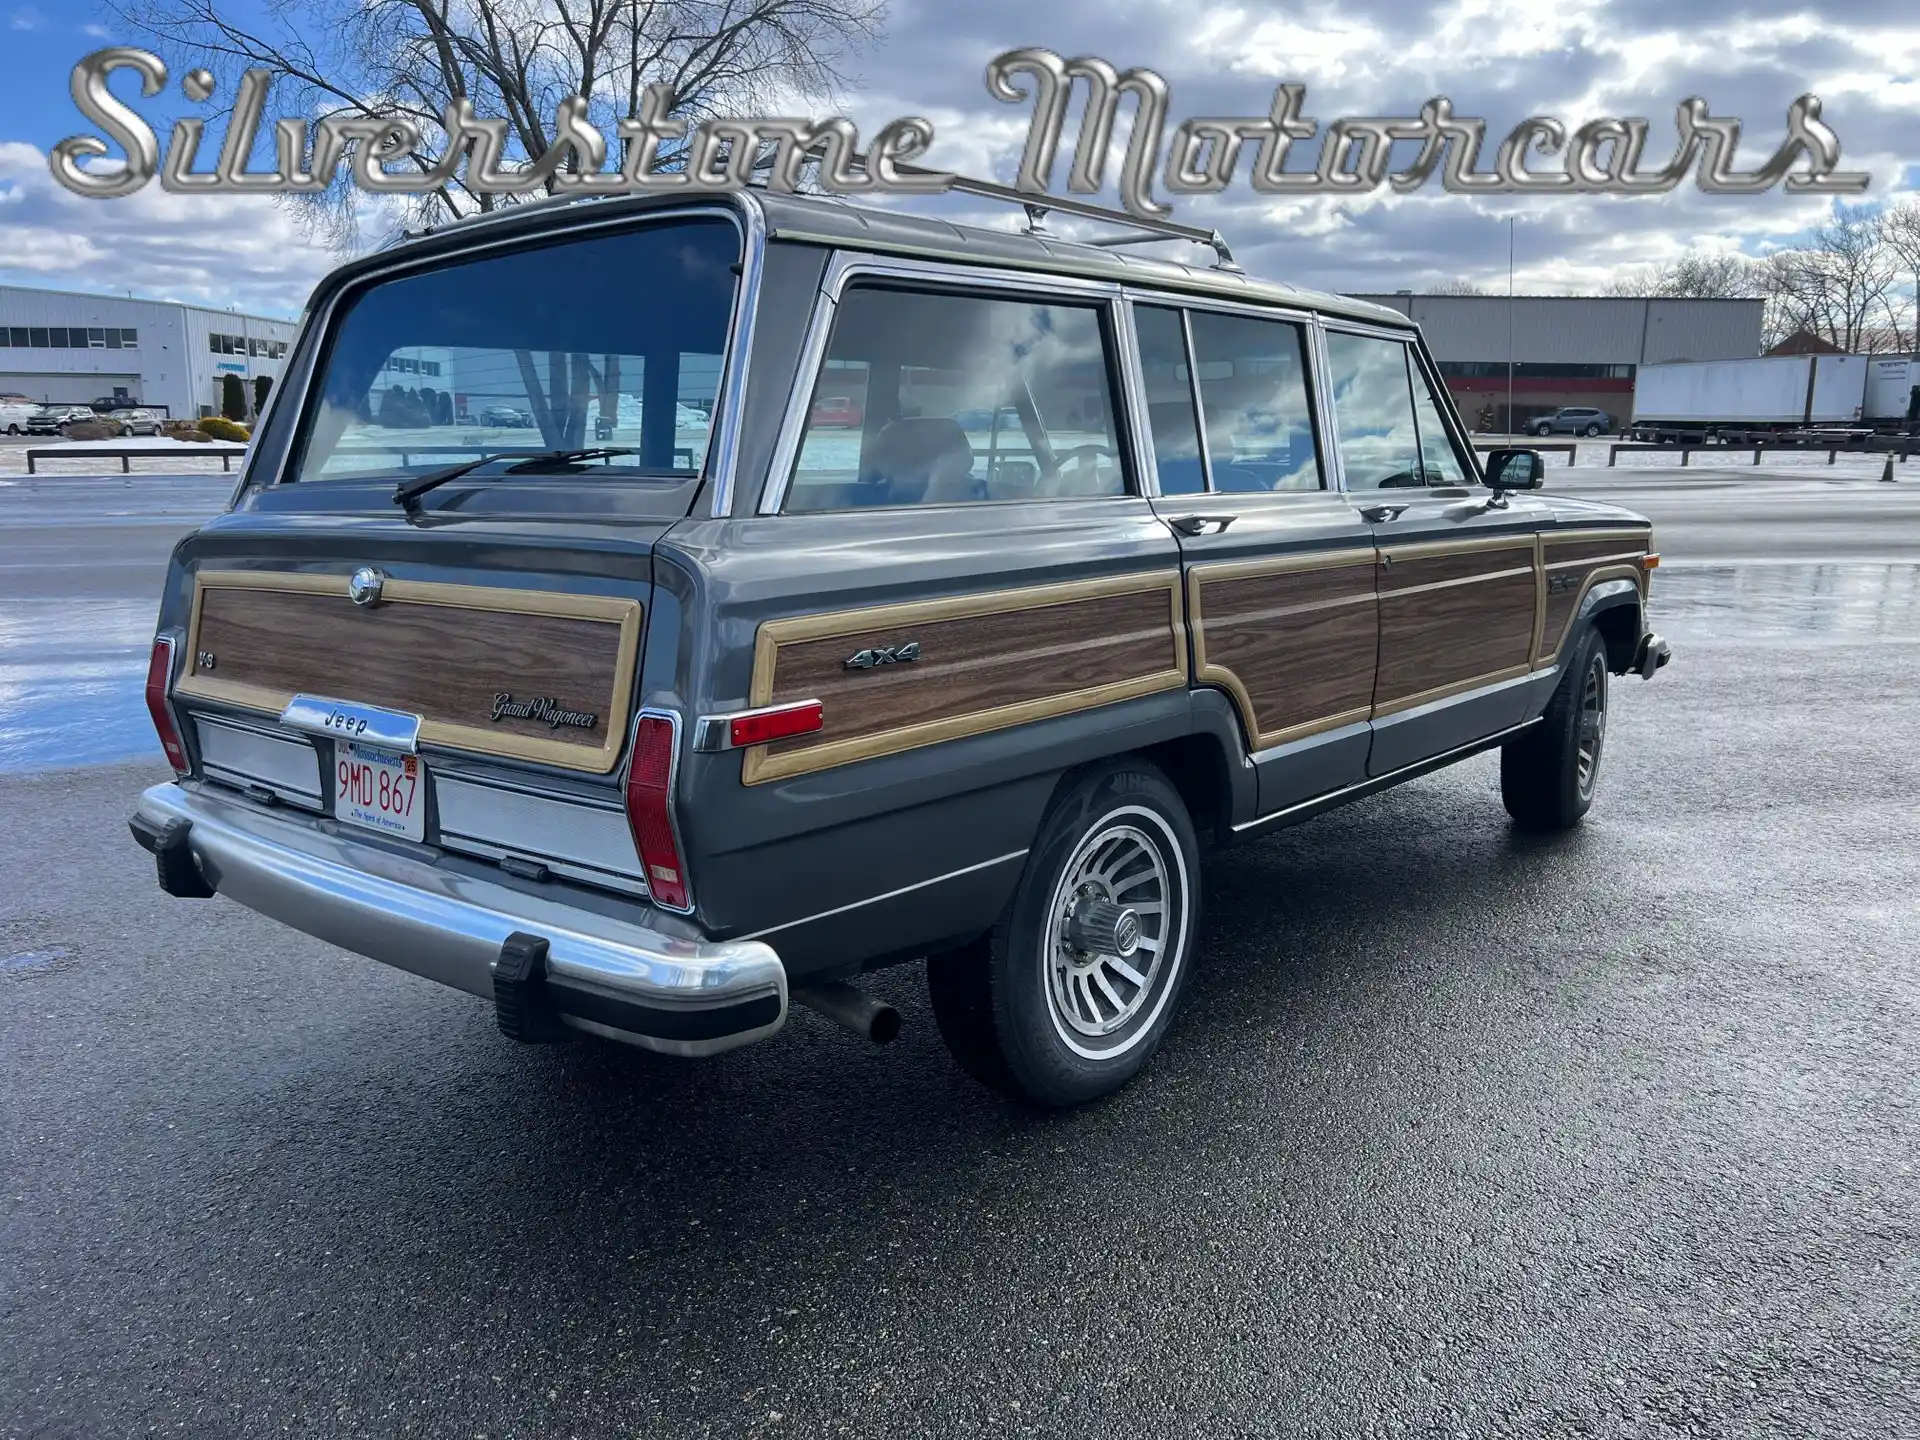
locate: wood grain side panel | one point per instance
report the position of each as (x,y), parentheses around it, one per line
(1295,647)
(444,659)
(1574,563)
(1568,551)
(1411,568)
(973,663)
(985,662)
(1458,633)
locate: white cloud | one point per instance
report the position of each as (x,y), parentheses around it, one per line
(25,17)
(220,250)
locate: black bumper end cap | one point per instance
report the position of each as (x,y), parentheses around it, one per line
(521,1006)
(173,862)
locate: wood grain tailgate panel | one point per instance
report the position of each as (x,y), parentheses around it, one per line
(442,652)
(986,661)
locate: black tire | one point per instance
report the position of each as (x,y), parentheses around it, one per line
(1549,775)
(1022,1010)
(1593,429)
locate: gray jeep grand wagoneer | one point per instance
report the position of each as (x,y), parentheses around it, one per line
(873,589)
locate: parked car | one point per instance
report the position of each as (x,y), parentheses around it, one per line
(135,422)
(15,412)
(656,742)
(54,419)
(506,417)
(1005,419)
(836,410)
(1571,420)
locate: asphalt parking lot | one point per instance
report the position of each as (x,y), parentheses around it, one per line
(1459,1133)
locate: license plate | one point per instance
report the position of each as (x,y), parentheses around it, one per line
(380,789)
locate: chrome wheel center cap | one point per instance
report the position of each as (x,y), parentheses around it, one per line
(1100,927)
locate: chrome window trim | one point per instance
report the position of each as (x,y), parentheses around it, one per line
(747,218)
(1329,417)
(1219,304)
(1449,417)
(1133,398)
(848,266)
(884,895)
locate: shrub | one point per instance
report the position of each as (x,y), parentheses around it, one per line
(91,430)
(233,397)
(215,428)
(262,387)
(181,430)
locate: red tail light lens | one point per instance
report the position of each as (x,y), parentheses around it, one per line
(649,809)
(159,675)
(764,725)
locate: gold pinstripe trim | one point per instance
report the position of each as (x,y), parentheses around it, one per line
(757,766)
(624,612)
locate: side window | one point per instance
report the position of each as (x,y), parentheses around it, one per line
(1439,457)
(1170,417)
(1253,393)
(942,398)
(1373,411)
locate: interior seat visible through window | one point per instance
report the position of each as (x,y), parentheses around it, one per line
(931,397)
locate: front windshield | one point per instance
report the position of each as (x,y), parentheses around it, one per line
(616,340)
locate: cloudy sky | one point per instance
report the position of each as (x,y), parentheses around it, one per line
(1501,59)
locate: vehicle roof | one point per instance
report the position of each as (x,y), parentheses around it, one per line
(829,220)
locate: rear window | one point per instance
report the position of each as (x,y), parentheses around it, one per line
(616,340)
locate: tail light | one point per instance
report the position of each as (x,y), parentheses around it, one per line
(159,676)
(650,771)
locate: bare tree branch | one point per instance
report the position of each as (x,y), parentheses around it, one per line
(514,59)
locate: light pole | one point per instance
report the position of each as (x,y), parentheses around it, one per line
(1510,429)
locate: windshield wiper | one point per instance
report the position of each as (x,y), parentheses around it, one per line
(408,492)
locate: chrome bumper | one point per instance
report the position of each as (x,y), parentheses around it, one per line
(612,977)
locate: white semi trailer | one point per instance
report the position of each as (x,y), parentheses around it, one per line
(1696,399)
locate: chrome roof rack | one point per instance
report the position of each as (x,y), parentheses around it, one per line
(1038,207)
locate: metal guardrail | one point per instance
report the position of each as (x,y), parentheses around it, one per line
(1903,450)
(1568,448)
(127,457)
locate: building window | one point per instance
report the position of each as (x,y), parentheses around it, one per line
(39,334)
(129,339)
(96,339)
(19,334)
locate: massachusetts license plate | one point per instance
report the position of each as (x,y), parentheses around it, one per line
(380,789)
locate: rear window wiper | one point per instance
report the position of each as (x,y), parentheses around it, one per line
(408,492)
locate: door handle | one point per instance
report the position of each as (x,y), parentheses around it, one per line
(1380,514)
(1201,524)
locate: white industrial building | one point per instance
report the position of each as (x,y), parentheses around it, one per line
(65,347)
(1545,351)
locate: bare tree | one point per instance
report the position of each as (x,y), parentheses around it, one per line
(1840,284)
(1458,287)
(1900,232)
(1698,275)
(514,59)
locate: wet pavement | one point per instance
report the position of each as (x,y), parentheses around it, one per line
(1459,1133)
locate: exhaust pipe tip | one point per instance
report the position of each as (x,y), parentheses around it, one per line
(851,1008)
